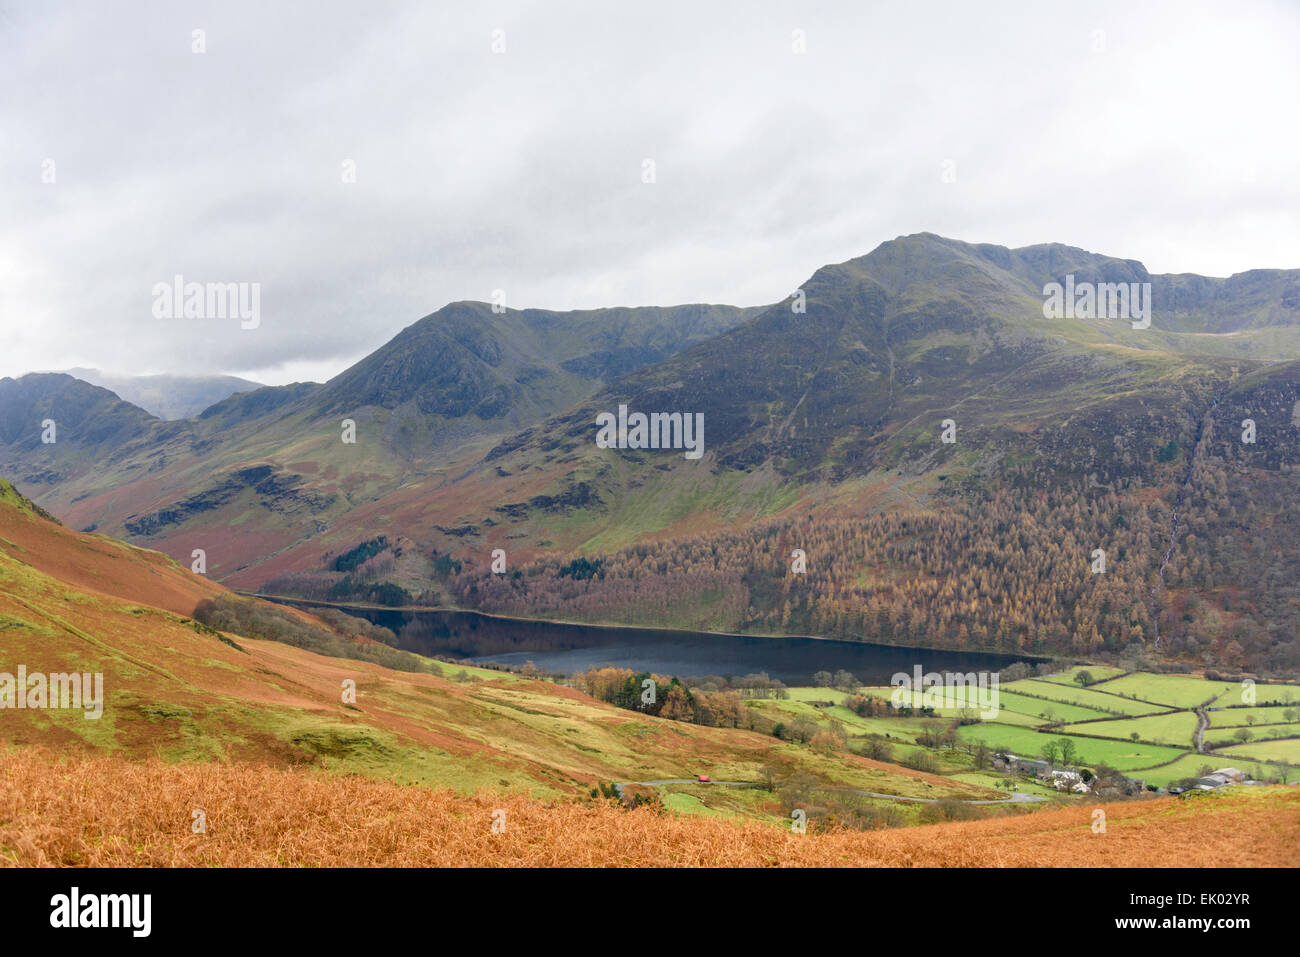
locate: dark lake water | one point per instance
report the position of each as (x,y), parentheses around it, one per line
(571,648)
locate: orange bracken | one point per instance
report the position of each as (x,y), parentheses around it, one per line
(107,811)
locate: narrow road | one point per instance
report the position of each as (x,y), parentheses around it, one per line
(1017,797)
(1204,723)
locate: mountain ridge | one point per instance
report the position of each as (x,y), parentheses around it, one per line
(832,401)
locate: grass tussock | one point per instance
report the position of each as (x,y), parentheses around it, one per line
(106,811)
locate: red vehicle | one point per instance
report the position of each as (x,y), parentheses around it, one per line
(703,779)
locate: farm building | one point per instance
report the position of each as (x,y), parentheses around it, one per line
(1028,765)
(1062,779)
(1065,780)
(1220,778)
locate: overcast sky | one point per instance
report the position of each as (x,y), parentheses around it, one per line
(1161,132)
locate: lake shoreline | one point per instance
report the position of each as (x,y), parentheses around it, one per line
(559,622)
(575,646)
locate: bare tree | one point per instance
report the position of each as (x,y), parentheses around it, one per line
(877,748)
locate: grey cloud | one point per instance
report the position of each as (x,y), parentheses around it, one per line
(521,171)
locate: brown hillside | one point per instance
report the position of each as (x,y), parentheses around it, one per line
(109,812)
(96,563)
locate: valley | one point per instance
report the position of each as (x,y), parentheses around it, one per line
(825,434)
(451,573)
(186,692)
(645,442)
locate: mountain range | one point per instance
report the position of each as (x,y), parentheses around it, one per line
(948,461)
(167,396)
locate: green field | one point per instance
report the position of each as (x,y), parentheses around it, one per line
(901,732)
(1175,691)
(906,728)
(1175,729)
(787,711)
(1098,672)
(1274,714)
(1100,727)
(1261,732)
(1085,697)
(1006,716)
(899,728)
(1277,694)
(965,698)
(1288,751)
(1014,708)
(1045,710)
(815,694)
(1121,755)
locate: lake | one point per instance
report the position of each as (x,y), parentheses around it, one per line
(570,648)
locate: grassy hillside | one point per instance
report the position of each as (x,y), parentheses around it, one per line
(183,691)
